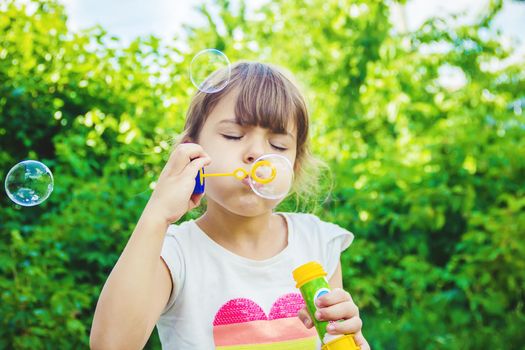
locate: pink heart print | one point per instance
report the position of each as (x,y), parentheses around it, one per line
(245,310)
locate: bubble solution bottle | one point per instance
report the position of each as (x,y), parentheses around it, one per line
(310,279)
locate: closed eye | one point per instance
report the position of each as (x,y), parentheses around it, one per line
(282,149)
(230,137)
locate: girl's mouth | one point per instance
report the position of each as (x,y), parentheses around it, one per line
(254,185)
(246,181)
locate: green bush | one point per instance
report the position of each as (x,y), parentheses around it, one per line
(428,177)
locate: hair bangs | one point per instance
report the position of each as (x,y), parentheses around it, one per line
(264,100)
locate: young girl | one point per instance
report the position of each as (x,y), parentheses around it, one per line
(224,281)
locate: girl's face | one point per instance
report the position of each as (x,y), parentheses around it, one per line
(233,146)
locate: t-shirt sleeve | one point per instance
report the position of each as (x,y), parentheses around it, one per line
(173,257)
(335,240)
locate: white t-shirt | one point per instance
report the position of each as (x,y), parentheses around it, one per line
(224,301)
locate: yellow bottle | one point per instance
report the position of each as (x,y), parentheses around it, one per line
(310,279)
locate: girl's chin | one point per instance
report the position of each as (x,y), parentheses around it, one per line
(251,205)
(243,202)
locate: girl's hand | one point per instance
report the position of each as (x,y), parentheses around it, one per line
(173,195)
(334,306)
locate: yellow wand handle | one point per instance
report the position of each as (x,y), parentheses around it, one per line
(240,173)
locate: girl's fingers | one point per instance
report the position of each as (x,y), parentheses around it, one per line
(336,312)
(361,341)
(335,296)
(350,326)
(341,311)
(195,200)
(182,156)
(195,165)
(305,317)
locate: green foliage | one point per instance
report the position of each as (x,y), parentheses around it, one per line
(428,176)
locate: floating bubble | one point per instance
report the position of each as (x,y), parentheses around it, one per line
(271,176)
(204,64)
(29,183)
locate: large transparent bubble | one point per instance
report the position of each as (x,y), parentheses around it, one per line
(204,64)
(29,183)
(271,176)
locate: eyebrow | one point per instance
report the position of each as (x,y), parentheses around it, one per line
(234,122)
(229,121)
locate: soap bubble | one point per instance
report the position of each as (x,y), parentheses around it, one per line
(204,64)
(271,176)
(29,183)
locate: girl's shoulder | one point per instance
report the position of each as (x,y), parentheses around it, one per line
(299,220)
(321,240)
(310,220)
(182,231)
(179,228)
(311,225)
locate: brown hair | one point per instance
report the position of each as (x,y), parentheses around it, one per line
(268,98)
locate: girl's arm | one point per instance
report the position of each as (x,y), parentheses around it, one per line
(139,285)
(135,292)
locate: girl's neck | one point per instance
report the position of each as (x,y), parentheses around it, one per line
(259,237)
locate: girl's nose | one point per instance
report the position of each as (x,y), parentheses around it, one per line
(254,151)
(251,157)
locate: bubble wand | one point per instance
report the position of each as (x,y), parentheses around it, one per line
(269,171)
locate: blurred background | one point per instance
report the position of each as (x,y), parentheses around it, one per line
(417,106)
